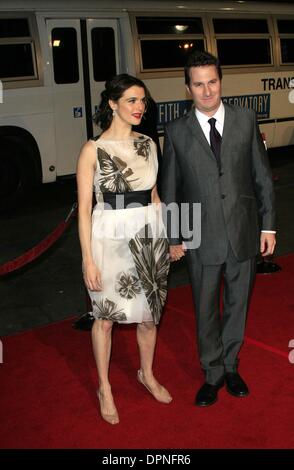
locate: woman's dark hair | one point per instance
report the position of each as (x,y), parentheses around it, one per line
(114,89)
(199,58)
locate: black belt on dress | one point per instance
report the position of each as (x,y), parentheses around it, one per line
(123,200)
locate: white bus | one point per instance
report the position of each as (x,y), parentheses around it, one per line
(55,56)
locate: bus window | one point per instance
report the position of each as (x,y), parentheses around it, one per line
(14,27)
(239,51)
(103,53)
(16,61)
(166,25)
(287,50)
(65,55)
(17,51)
(286,34)
(236,38)
(165,54)
(164,42)
(240,26)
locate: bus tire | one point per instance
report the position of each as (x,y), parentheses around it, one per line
(17,176)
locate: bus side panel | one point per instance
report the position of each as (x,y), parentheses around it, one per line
(35,115)
(41,127)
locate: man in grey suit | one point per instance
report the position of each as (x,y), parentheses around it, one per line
(215,156)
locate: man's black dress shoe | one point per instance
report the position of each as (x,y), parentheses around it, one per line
(235,384)
(207,394)
(267,267)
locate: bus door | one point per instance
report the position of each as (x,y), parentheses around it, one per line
(84,54)
(102,38)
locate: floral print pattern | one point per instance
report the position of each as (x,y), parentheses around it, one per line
(127,285)
(152,264)
(105,309)
(114,173)
(143,147)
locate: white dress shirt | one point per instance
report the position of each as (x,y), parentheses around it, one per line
(205,126)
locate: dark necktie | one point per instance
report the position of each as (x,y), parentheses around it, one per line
(215,141)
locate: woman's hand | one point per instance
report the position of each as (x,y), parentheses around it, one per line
(92,276)
(155,198)
(176,252)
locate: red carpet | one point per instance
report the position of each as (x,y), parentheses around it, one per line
(48,382)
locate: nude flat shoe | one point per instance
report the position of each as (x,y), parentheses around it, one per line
(163,396)
(112,418)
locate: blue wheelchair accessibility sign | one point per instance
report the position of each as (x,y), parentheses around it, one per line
(78,111)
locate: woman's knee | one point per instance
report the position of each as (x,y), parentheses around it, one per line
(104,326)
(146,326)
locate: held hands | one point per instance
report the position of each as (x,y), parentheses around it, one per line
(91,275)
(267,243)
(176,252)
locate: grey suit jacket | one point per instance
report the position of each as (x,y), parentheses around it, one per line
(237,202)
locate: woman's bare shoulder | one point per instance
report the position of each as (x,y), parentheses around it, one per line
(88,151)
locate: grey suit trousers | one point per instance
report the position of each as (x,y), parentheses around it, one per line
(220,337)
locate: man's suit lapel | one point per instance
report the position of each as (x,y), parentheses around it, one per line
(197,132)
(228,130)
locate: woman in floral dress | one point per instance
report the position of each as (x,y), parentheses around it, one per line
(123,242)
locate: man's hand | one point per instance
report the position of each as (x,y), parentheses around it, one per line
(176,252)
(267,243)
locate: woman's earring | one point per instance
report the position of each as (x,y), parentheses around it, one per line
(113,112)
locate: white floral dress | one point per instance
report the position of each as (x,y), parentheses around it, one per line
(129,246)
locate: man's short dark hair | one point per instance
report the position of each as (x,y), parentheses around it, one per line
(200,58)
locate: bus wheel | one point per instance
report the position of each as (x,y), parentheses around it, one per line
(15,178)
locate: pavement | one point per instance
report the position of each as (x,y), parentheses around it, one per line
(50,288)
